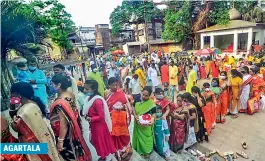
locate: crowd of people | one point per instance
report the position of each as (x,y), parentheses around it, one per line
(160,94)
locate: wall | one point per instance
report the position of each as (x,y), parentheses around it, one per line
(223,41)
(103,36)
(243,40)
(167,48)
(260,36)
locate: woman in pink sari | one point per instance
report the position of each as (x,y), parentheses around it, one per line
(215,69)
(120,110)
(97,114)
(202,70)
(179,129)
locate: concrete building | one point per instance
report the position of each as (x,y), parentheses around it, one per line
(87,35)
(235,37)
(103,36)
(154,31)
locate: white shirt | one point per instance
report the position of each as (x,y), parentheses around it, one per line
(135,86)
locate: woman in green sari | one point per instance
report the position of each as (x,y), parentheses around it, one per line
(143,134)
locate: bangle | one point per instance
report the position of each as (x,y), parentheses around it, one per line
(60,139)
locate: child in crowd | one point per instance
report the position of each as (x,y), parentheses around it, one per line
(161,134)
(135,88)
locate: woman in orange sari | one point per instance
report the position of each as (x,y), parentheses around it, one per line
(120,110)
(209,110)
(208,66)
(258,85)
(66,122)
(223,106)
(236,84)
(28,120)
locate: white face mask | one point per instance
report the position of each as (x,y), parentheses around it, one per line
(95,70)
(207,89)
(223,77)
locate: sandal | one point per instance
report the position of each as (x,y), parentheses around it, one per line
(244,145)
(242,154)
(234,156)
(234,116)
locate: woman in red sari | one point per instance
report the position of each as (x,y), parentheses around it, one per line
(181,79)
(179,129)
(97,114)
(209,111)
(215,69)
(66,122)
(28,120)
(120,110)
(224,98)
(258,85)
(202,70)
(6,137)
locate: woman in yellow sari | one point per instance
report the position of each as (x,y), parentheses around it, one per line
(28,120)
(236,83)
(141,76)
(208,66)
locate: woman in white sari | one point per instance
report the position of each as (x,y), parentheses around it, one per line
(246,88)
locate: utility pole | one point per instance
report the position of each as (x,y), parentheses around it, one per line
(146,28)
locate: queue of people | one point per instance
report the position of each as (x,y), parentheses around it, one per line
(163,118)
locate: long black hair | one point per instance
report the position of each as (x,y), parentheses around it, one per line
(26,90)
(63,79)
(236,73)
(94,86)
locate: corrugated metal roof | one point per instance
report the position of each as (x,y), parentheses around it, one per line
(233,24)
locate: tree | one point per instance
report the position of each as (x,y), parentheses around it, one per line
(58,23)
(132,12)
(20,27)
(178,24)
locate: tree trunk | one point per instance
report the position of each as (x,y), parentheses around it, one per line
(137,33)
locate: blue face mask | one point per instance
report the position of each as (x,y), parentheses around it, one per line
(159,114)
(214,84)
(89,93)
(32,68)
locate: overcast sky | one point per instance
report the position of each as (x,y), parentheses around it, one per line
(90,12)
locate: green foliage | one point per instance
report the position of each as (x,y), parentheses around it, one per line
(219,14)
(132,12)
(20,26)
(220,11)
(178,24)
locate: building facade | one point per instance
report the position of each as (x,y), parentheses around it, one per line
(103,36)
(87,35)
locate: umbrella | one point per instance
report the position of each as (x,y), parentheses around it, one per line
(217,51)
(116,52)
(204,52)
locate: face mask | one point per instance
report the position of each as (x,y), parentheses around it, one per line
(159,114)
(214,84)
(95,70)
(223,77)
(89,94)
(159,97)
(32,68)
(207,89)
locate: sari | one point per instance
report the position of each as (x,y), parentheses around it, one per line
(165,103)
(209,110)
(208,68)
(193,126)
(215,69)
(179,129)
(6,137)
(75,146)
(202,70)
(33,128)
(224,101)
(161,132)
(143,136)
(101,126)
(257,84)
(120,121)
(181,80)
(245,93)
(236,83)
